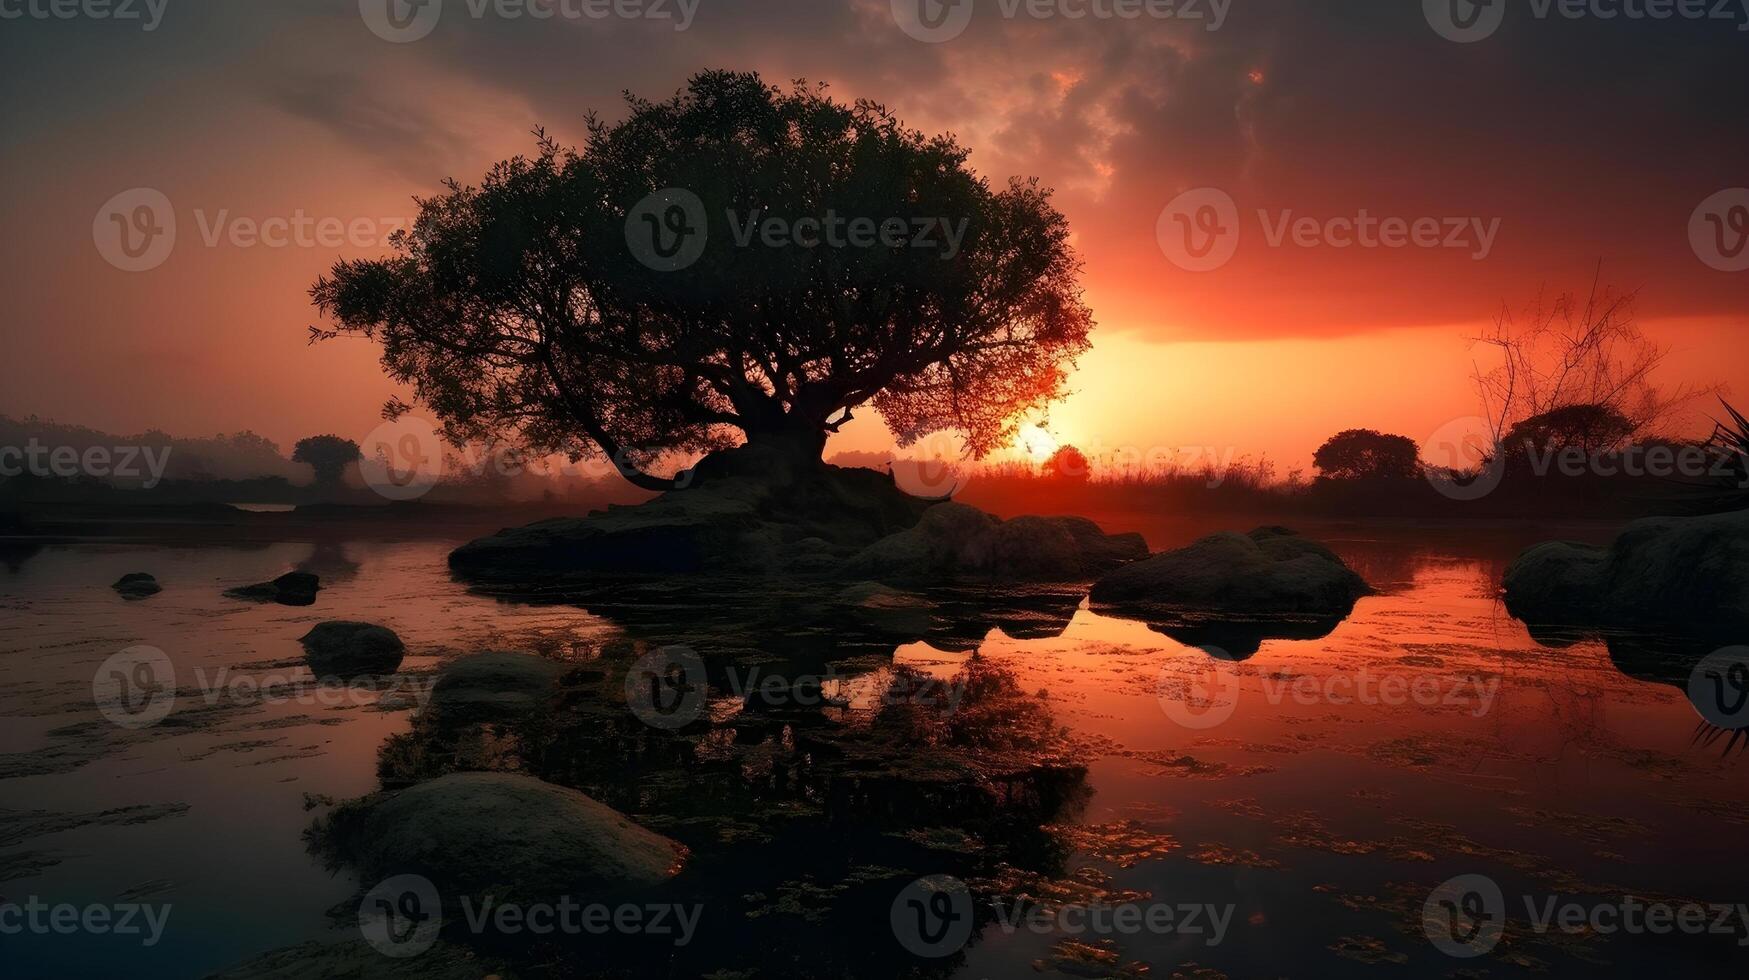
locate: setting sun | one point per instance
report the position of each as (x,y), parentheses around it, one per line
(1036,443)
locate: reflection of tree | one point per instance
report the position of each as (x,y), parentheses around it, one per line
(329,560)
(804,823)
(1654,658)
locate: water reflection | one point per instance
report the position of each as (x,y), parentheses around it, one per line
(1323,815)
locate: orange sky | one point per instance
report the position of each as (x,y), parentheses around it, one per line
(1579,143)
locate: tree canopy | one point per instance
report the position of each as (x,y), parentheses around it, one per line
(327,455)
(527,307)
(1591,428)
(1366,454)
(1068,463)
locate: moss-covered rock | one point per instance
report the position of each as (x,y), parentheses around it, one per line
(137,585)
(1691,573)
(1271,571)
(958,542)
(290,589)
(505,834)
(345,649)
(495,686)
(744,511)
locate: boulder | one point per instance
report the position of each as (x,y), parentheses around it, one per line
(290,589)
(1270,572)
(749,510)
(1556,583)
(1689,573)
(955,541)
(509,834)
(137,585)
(886,610)
(346,650)
(494,686)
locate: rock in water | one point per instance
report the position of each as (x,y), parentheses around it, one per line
(1691,573)
(290,589)
(748,510)
(1270,572)
(510,835)
(494,686)
(346,650)
(137,585)
(1556,583)
(956,541)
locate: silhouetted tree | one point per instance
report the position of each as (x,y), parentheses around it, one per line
(517,308)
(1591,428)
(1366,454)
(1068,463)
(327,455)
(1577,353)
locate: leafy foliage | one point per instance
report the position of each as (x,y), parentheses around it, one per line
(517,309)
(327,455)
(1367,454)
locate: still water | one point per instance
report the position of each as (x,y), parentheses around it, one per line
(1306,798)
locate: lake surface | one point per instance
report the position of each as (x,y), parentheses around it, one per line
(1307,798)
